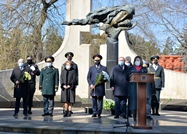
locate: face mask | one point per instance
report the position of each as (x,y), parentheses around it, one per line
(97,62)
(49,64)
(156,62)
(68,67)
(69,58)
(137,63)
(127,64)
(21,64)
(29,61)
(121,63)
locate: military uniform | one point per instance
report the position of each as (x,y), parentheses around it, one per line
(48,84)
(98,92)
(159,81)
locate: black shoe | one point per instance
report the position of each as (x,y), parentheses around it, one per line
(69,113)
(157,114)
(29,112)
(99,116)
(50,114)
(94,115)
(149,117)
(15,114)
(116,116)
(124,116)
(45,114)
(25,114)
(65,114)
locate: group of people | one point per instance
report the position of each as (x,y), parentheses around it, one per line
(48,84)
(123,90)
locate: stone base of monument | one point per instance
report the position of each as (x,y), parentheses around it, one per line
(88,110)
(173,104)
(38,102)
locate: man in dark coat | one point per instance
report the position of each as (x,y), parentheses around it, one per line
(48,84)
(159,81)
(97,91)
(21,87)
(119,84)
(34,71)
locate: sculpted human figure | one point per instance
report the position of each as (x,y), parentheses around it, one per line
(169,63)
(114,19)
(178,65)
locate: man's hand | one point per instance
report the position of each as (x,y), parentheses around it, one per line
(68,86)
(17,82)
(92,86)
(162,88)
(56,90)
(112,88)
(65,86)
(32,68)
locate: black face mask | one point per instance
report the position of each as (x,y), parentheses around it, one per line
(69,58)
(156,62)
(29,61)
(97,62)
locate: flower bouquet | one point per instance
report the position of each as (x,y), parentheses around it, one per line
(26,77)
(101,78)
(108,104)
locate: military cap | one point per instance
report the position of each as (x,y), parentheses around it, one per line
(69,54)
(49,58)
(155,57)
(97,57)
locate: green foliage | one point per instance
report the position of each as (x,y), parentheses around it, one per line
(143,48)
(170,99)
(108,104)
(83,99)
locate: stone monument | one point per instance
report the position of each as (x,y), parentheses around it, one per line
(114,19)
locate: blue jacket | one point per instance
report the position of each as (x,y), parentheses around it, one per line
(91,78)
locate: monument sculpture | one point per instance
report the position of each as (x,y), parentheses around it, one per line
(114,19)
(172,62)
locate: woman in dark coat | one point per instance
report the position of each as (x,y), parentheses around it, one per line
(68,83)
(136,68)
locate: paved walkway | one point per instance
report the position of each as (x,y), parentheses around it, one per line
(81,123)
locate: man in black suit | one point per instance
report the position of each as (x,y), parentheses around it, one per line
(34,71)
(97,92)
(119,80)
(21,87)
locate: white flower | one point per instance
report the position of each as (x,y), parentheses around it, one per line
(106,76)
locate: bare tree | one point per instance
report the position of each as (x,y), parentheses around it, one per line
(32,18)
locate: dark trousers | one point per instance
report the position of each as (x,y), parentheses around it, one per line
(17,105)
(129,111)
(97,104)
(120,103)
(48,103)
(31,94)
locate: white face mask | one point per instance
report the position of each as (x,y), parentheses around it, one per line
(68,67)
(49,64)
(127,64)
(137,63)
